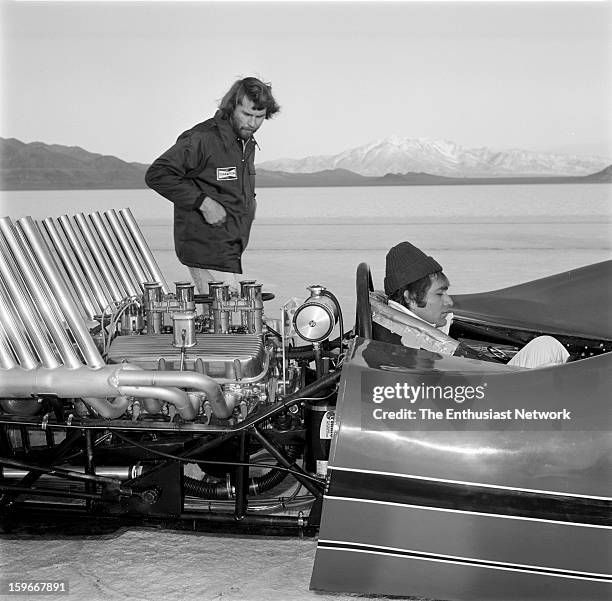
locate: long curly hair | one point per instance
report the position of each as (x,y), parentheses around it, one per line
(258,92)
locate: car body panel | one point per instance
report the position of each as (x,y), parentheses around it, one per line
(573,303)
(469,509)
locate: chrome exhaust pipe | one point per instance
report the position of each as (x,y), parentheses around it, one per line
(143,248)
(116,259)
(40,293)
(86,263)
(182,379)
(14,333)
(128,246)
(96,385)
(74,274)
(7,358)
(58,263)
(115,381)
(37,354)
(71,313)
(113,288)
(14,329)
(16,301)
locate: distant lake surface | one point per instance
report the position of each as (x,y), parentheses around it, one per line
(486,237)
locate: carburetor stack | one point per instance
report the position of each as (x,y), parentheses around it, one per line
(219,318)
(249,303)
(180,306)
(226,341)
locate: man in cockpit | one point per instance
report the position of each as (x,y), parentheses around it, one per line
(416,286)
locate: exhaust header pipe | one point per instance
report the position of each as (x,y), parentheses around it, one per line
(49,282)
(94,386)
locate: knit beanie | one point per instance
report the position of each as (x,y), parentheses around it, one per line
(405,264)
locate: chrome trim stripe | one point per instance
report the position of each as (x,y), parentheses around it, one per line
(466,512)
(480,563)
(469,483)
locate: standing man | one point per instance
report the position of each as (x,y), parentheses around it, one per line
(209,176)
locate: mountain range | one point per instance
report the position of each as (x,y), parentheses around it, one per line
(39,166)
(394,161)
(441,157)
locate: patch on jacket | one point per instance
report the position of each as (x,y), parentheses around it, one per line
(224,173)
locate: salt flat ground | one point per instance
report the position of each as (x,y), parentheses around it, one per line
(151,565)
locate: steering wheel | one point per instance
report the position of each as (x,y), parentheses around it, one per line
(363,318)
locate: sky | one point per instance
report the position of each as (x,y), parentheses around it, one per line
(125,78)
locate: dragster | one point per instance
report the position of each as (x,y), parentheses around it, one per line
(422,472)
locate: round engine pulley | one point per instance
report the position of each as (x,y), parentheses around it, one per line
(314,320)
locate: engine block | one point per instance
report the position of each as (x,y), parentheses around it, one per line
(227,358)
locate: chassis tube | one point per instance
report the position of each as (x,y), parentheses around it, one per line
(105,471)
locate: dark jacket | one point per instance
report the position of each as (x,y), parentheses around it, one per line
(208,160)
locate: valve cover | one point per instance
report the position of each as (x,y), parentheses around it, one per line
(219,356)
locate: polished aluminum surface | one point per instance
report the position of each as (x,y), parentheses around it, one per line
(469,513)
(17,300)
(115,258)
(7,357)
(36,291)
(137,266)
(15,331)
(45,345)
(215,353)
(70,310)
(103,258)
(87,263)
(143,248)
(102,262)
(73,271)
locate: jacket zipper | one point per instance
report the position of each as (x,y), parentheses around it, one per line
(246,186)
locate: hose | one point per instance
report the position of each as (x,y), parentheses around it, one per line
(222,490)
(308,351)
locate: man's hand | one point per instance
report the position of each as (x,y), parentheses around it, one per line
(213,212)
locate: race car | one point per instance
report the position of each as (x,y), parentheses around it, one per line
(124,402)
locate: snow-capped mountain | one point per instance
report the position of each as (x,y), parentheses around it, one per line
(440,157)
